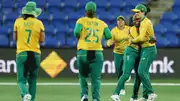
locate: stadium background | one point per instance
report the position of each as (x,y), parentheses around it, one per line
(58,80)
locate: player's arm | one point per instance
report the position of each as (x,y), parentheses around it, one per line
(77,30)
(15,35)
(141,37)
(15,31)
(110,41)
(107,33)
(42,33)
(152,39)
(42,36)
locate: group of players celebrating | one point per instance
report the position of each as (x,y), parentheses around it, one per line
(134,48)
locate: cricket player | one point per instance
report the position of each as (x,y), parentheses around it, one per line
(89,31)
(120,40)
(148,51)
(137,82)
(28,32)
(131,60)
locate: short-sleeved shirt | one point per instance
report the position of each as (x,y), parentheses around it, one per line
(28,34)
(146,32)
(91,34)
(121,38)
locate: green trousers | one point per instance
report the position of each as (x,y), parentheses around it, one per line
(90,64)
(28,64)
(147,56)
(118,61)
(137,82)
(130,59)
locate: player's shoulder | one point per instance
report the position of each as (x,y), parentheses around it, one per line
(99,20)
(132,28)
(147,21)
(127,27)
(37,20)
(19,19)
(81,19)
(114,28)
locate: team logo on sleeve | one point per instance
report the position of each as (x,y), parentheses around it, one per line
(53,64)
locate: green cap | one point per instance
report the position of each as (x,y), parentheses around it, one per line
(90,6)
(30,8)
(120,17)
(139,8)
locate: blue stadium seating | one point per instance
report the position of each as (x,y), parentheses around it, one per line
(41,3)
(161,41)
(71,24)
(159,29)
(61,37)
(173,41)
(176,6)
(104,18)
(111,26)
(5,30)
(82,3)
(21,3)
(70,3)
(45,18)
(172,29)
(71,41)
(177,2)
(114,3)
(69,6)
(102,6)
(59,18)
(1,18)
(12,43)
(130,4)
(4,41)
(51,42)
(50,30)
(104,42)
(114,10)
(74,16)
(62,29)
(178,22)
(53,5)
(124,14)
(10,18)
(7,6)
(168,17)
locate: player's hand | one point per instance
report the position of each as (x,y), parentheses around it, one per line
(110,43)
(130,41)
(152,40)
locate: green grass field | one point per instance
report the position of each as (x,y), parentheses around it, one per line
(71,92)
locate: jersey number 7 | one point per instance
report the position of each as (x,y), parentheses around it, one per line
(29,35)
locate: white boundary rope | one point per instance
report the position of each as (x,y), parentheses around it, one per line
(77,84)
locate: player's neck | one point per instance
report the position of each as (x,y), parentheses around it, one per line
(143,17)
(121,27)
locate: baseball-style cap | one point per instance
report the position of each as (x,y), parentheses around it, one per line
(120,17)
(139,8)
(90,6)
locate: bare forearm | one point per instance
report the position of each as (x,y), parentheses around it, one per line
(42,37)
(15,36)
